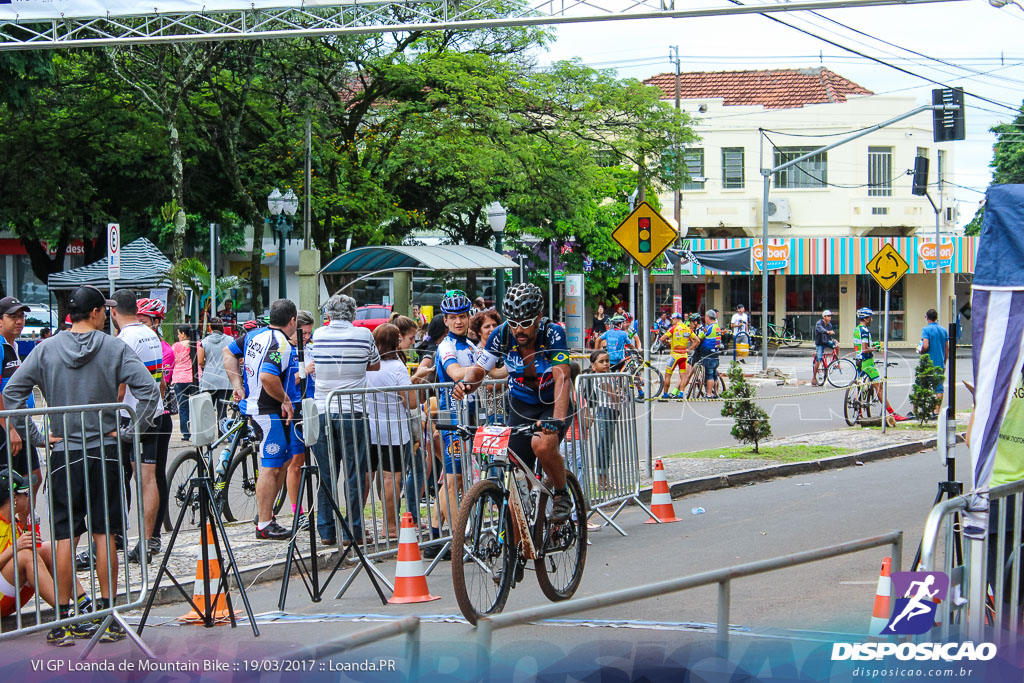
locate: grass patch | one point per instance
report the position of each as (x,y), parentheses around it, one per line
(794,453)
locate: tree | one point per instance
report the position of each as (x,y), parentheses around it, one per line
(924,395)
(1007,161)
(751,421)
(192,275)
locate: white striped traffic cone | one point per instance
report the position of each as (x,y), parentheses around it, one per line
(212,569)
(661,498)
(883,605)
(410,581)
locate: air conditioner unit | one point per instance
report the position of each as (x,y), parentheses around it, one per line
(951,216)
(778,211)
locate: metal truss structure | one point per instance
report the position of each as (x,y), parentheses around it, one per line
(372,16)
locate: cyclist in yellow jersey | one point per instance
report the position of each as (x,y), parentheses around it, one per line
(678,339)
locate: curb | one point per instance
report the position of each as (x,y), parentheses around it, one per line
(755,475)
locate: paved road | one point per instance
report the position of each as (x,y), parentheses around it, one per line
(690,426)
(740,525)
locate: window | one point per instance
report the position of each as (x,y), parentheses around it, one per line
(879,171)
(941,174)
(879,210)
(732,168)
(693,159)
(606,158)
(922,152)
(812,172)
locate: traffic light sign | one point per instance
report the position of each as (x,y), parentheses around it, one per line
(920,184)
(948,124)
(644,235)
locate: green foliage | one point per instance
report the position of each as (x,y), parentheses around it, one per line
(974,227)
(1008,152)
(751,421)
(927,381)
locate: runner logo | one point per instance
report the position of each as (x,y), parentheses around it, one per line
(916,598)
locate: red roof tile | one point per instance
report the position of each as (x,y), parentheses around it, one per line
(772,89)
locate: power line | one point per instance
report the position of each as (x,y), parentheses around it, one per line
(875,59)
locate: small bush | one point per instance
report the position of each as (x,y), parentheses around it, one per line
(927,381)
(751,421)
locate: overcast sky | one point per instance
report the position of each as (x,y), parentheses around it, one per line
(971,35)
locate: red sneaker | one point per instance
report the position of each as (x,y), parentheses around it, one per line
(898,418)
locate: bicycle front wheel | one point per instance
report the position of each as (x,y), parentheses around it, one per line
(789,338)
(652,389)
(560,568)
(185,467)
(483,552)
(696,389)
(841,373)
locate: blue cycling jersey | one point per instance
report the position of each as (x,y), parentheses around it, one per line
(453,350)
(552,350)
(616,344)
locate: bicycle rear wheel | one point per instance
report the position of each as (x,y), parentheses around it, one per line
(841,373)
(851,404)
(790,338)
(652,389)
(185,467)
(560,570)
(238,495)
(483,552)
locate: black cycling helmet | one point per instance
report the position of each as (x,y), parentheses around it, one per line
(523,301)
(455,301)
(694,318)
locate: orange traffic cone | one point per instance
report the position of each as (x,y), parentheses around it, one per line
(212,569)
(880,614)
(661,499)
(410,581)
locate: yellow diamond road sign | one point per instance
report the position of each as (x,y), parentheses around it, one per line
(887,267)
(644,234)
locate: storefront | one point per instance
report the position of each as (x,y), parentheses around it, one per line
(807,276)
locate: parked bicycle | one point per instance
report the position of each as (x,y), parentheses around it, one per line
(784,334)
(697,387)
(635,365)
(840,372)
(861,402)
(234,478)
(503,523)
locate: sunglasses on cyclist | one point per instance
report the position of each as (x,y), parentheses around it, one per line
(522,324)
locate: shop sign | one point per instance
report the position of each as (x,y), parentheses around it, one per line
(778,256)
(926,250)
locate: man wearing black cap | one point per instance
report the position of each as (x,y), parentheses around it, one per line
(86,366)
(24,458)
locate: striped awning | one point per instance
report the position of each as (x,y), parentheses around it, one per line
(142,267)
(451,257)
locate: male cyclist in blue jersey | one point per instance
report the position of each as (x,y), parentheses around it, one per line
(616,341)
(537,358)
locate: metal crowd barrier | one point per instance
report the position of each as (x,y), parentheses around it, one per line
(409,626)
(723,577)
(63,467)
(606,458)
(1001,548)
(389,458)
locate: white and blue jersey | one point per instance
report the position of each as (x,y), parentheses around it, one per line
(453,349)
(552,350)
(267,352)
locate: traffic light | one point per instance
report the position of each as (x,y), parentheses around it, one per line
(947,124)
(920,184)
(644,241)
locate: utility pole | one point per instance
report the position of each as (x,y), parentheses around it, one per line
(677,267)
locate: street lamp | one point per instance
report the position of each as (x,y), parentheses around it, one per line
(282,207)
(497,217)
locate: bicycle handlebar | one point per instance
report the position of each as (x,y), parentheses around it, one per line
(467,431)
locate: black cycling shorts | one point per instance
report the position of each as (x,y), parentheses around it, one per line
(90,487)
(520,413)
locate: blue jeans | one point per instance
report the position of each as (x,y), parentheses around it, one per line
(350,444)
(605,422)
(182,392)
(414,480)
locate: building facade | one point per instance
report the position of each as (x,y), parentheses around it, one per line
(828,214)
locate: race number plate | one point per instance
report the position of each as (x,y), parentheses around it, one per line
(492,442)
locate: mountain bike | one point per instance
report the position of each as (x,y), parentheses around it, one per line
(861,402)
(234,481)
(840,372)
(634,365)
(503,523)
(698,388)
(784,334)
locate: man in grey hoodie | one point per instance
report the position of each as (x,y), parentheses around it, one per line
(82,367)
